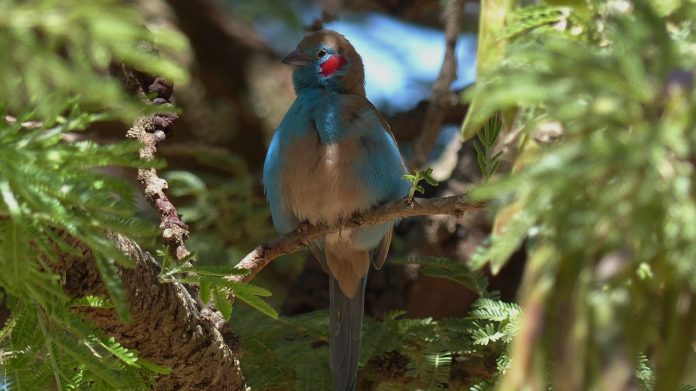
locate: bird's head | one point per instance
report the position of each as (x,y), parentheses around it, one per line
(325,59)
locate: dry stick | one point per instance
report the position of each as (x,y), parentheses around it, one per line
(441,95)
(295,240)
(151,130)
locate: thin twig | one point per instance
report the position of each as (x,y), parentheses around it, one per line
(295,240)
(31,125)
(26,125)
(441,96)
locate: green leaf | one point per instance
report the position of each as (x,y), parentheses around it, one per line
(250,294)
(120,352)
(10,200)
(495,310)
(219,271)
(431,181)
(110,276)
(92,301)
(223,304)
(205,292)
(449,269)
(152,367)
(98,367)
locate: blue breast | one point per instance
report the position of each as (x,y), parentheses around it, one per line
(303,182)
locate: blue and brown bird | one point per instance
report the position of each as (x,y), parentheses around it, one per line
(332,156)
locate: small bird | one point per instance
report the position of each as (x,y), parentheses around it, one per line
(332,156)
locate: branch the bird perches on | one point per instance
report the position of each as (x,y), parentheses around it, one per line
(297,239)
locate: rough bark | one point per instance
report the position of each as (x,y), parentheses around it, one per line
(167,327)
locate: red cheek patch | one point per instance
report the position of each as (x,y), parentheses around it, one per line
(330,66)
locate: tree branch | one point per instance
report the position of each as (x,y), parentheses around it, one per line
(407,125)
(150,130)
(168,327)
(441,93)
(295,240)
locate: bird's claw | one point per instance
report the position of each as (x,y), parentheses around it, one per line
(303,227)
(357,219)
(409,201)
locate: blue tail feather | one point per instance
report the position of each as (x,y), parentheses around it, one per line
(346,317)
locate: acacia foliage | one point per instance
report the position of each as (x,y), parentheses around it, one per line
(601,192)
(55,81)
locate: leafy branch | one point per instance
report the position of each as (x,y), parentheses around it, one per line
(214,283)
(415,180)
(487,139)
(448,269)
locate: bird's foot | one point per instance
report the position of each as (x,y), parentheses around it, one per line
(303,227)
(409,201)
(357,219)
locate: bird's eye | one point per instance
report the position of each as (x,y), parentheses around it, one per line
(321,53)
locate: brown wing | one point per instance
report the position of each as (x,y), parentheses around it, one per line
(316,248)
(354,104)
(381,118)
(379,254)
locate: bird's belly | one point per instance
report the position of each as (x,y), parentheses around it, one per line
(320,181)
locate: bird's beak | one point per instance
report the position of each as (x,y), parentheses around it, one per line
(297,57)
